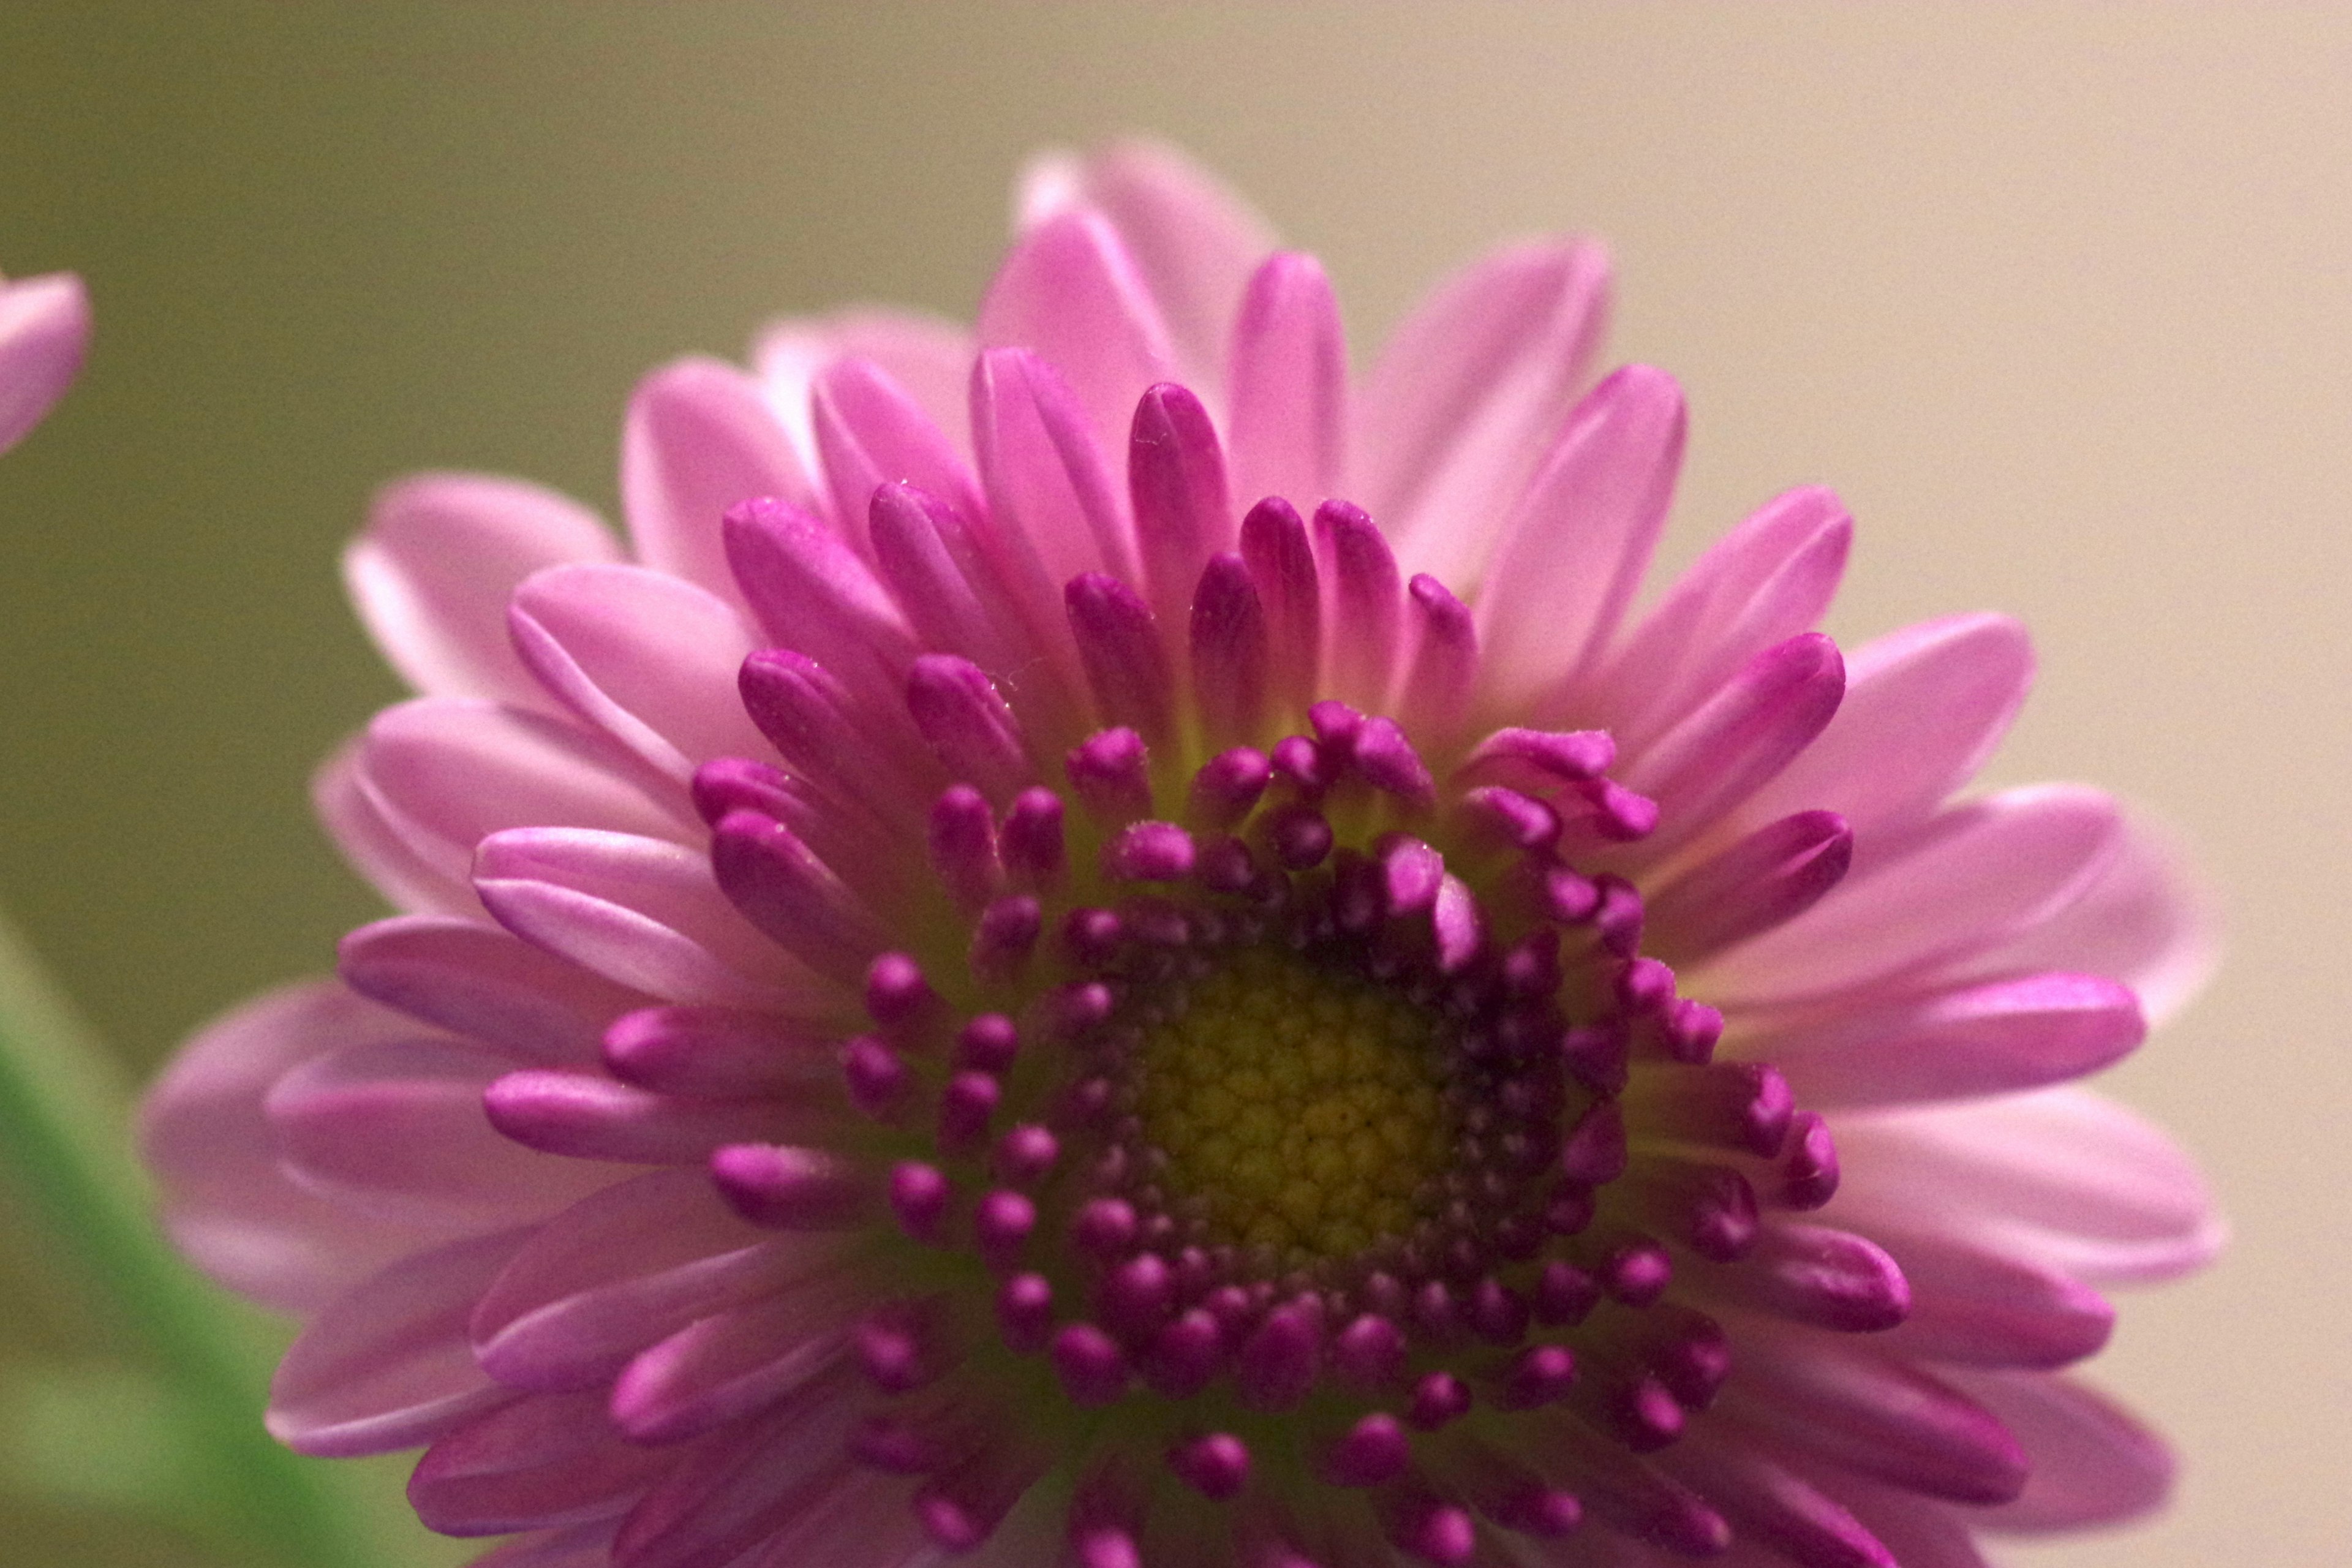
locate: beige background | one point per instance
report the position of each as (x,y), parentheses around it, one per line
(2058,298)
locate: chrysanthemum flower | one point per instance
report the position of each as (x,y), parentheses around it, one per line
(1100,946)
(44,334)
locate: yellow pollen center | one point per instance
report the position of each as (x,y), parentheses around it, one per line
(1302,1108)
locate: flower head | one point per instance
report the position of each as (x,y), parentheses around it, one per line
(1102,945)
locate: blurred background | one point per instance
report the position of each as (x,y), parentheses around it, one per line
(2059,299)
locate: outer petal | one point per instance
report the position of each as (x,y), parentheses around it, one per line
(648,658)
(1925,707)
(2094,1464)
(431,574)
(928,355)
(552,1460)
(1575,548)
(227,1202)
(44,335)
(700,437)
(374,847)
(388,1366)
(1454,414)
(2061,1176)
(477,981)
(1193,241)
(1289,386)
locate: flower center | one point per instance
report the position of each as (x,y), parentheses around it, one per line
(1300,1108)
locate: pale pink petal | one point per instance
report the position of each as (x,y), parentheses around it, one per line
(1194,240)
(642,912)
(699,437)
(1923,707)
(2144,922)
(1455,414)
(394,1129)
(388,1366)
(2094,1464)
(586,1117)
(1288,415)
(810,591)
(1763,583)
(1981,874)
(1992,1038)
(2060,1176)
(431,573)
(618,1271)
(648,658)
(1976,1305)
(226,1201)
(1070,292)
(44,335)
(734,1362)
(870,432)
(928,355)
(446,772)
(1568,561)
(546,1461)
(373,845)
(1055,510)
(475,979)
(724,1498)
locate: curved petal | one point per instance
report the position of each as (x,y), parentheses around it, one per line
(645,913)
(486,983)
(431,573)
(648,658)
(1193,241)
(1923,707)
(700,437)
(1455,413)
(225,1199)
(395,1128)
(870,432)
(373,847)
(734,1362)
(621,1270)
(1577,543)
(1289,386)
(446,772)
(388,1366)
(2060,1176)
(929,355)
(541,1462)
(1980,875)
(1070,292)
(2093,1463)
(1763,583)
(44,336)
(1053,511)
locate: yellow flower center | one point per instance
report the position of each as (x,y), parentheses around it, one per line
(1302,1107)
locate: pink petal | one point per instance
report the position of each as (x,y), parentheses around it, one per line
(588,1116)
(810,591)
(44,336)
(1363,604)
(2144,921)
(700,437)
(620,1270)
(2058,1177)
(771,1475)
(648,658)
(475,979)
(1762,584)
(1923,709)
(395,1128)
(870,432)
(1193,241)
(1771,876)
(1454,414)
(1070,292)
(579,1546)
(1982,873)
(373,847)
(431,575)
(541,1462)
(2094,1464)
(1176,486)
(1289,390)
(930,357)
(1054,512)
(226,1201)
(1988,1038)
(387,1366)
(642,912)
(447,772)
(1973,1304)
(734,1362)
(1574,549)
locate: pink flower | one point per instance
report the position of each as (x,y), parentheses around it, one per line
(44,334)
(1107,1019)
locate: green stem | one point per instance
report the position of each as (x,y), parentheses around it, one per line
(63,1136)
